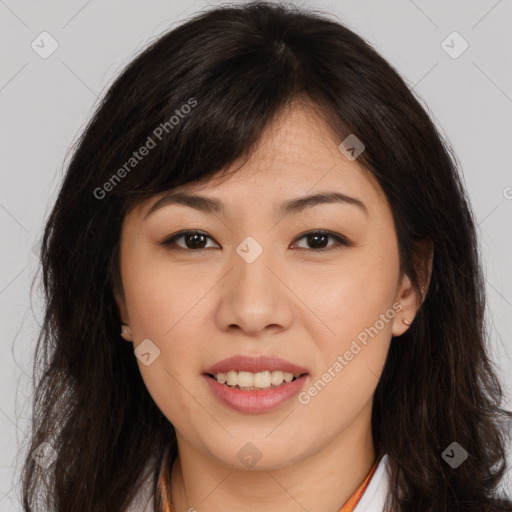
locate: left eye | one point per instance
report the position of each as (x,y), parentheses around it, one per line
(317,238)
(197,240)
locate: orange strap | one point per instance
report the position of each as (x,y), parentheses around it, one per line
(162,489)
(352,502)
(349,505)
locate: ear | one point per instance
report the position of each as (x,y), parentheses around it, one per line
(125,329)
(410,300)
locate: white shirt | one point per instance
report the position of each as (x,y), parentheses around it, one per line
(376,493)
(371,501)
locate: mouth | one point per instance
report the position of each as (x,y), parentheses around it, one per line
(248,381)
(255,384)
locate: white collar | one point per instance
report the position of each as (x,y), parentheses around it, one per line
(376,493)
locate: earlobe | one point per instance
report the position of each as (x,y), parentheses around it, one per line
(407,295)
(126,332)
(409,302)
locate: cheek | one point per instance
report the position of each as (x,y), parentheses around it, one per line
(163,307)
(166,386)
(164,304)
(353,296)
(160,297)
(352,350)
(355,306)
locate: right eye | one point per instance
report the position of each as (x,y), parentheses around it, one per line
(194,241)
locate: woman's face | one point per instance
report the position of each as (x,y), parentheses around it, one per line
(253,283)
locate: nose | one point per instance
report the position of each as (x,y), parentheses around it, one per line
(255,297)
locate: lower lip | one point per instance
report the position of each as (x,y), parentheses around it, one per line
(255,401)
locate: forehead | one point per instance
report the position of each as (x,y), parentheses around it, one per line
(297,154)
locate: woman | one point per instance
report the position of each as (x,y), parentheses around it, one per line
(263,289)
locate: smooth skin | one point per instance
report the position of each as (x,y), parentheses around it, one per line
(297,300)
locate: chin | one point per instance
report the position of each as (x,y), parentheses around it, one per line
(258,456)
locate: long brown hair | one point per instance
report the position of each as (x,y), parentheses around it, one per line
(236,68)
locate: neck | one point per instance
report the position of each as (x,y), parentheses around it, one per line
(324,480)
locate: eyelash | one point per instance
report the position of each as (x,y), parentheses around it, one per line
(170,241)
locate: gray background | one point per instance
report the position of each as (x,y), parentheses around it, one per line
(46,102)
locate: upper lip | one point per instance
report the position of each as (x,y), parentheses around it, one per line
(255,364)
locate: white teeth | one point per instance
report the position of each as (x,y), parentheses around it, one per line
(246,379)
(277,378)
(259,380)
(262,380)
(232,378)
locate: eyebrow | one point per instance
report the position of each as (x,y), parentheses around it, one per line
(213,206)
